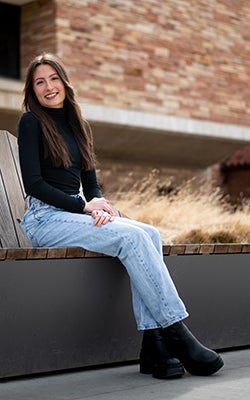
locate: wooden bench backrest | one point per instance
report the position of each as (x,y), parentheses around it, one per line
(11,193)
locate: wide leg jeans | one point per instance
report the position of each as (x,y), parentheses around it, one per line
(138,246)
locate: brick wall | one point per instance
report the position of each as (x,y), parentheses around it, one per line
(188,58)
(38,30)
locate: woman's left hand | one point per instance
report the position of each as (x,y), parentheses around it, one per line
(102,217)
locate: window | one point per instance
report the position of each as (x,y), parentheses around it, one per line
(9,41)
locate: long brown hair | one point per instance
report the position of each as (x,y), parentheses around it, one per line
(53,143)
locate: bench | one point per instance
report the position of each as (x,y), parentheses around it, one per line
(65,308)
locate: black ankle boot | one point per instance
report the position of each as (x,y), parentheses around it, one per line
(196,358)
(155,358)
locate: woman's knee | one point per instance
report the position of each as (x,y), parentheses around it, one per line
(153,232)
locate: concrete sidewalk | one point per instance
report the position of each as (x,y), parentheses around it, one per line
(125,383)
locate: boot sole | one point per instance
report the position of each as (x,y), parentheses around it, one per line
(163,372)
(205,370)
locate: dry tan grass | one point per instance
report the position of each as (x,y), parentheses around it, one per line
(187,216)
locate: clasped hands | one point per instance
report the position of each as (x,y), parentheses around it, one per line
(100,210)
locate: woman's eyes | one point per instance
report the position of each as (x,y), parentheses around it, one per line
(54,78)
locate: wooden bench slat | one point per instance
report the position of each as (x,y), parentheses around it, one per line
(221,248)
(192,249)
(14,149)
(178,249)
(73,252)
(3,253)
(59,252)
(234,248)
(166,249)
(16,254)
(12,184)
(7,231)
(37,253)
(206,249)
(246,248)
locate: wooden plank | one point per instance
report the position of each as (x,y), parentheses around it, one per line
(221,248)
(192,249)
(14,148)
(54,252)
(92,254)
(8,236)
(166,249)
(37,253)
(11,181)
(235,248)
(16,254)
(246,248)
(75,252)
(177,249)
(3,253)
(206,248)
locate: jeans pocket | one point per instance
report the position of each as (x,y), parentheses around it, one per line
(28,226)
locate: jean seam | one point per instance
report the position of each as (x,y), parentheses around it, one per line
(166,307)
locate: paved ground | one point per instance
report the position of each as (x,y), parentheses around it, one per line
(125,383)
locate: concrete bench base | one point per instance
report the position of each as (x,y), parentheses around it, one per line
(215,289)
(64,314)
(69,313)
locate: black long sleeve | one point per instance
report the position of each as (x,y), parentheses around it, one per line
(53,185)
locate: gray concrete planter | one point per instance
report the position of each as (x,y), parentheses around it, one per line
(69,312)
(215,289)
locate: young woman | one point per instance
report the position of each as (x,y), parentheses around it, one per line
(56,156)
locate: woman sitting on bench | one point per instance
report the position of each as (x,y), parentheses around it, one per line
(56,155)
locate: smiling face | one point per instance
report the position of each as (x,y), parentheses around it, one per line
(48,87)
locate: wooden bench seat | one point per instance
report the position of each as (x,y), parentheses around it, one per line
(77,252)
(64,308)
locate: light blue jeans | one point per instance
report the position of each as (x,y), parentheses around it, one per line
(138,246)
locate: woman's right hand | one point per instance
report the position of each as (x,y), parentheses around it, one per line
(98,203)
(102,217)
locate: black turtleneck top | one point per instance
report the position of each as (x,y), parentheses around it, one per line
(53,185)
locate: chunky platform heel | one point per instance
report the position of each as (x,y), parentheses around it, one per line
(155,358)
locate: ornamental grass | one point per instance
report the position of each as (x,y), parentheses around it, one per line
(185,214)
